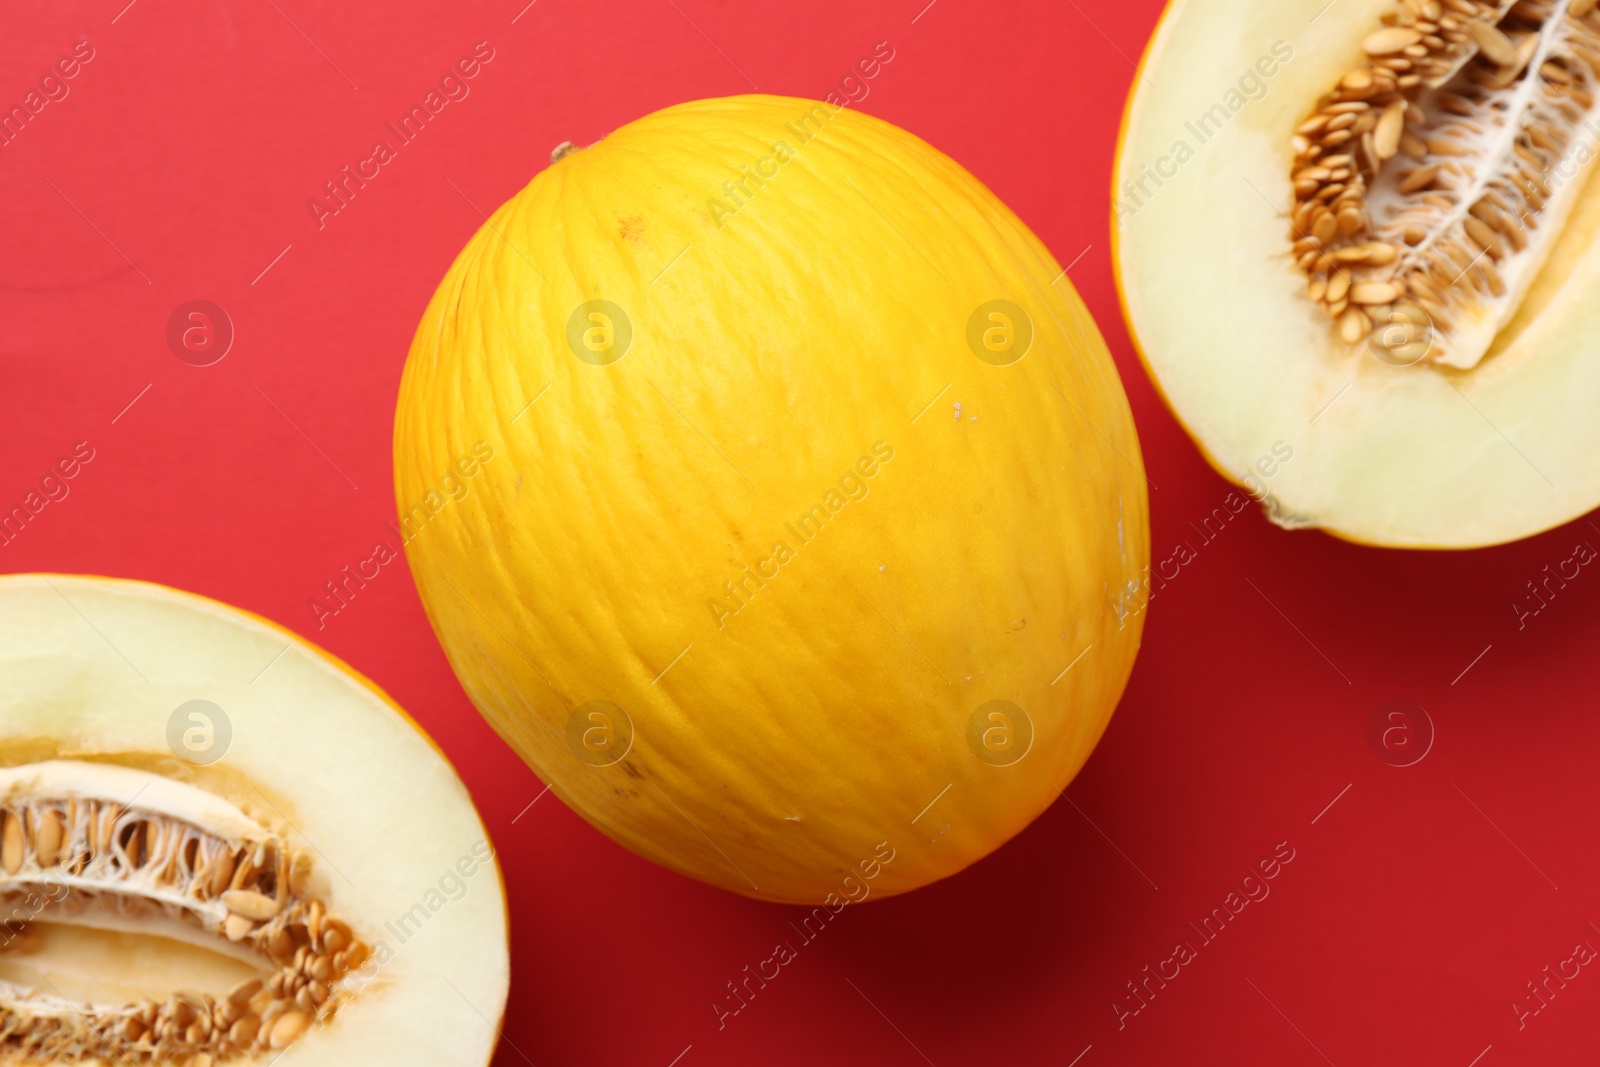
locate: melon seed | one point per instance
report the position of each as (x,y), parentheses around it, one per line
(250,904)
(290,1025)
(47,838)
(1354,325)
(1373,292)
(334,939)
(1390,40)
(1492,43)
(1386,134)
(11,844)
(1483,236)
(244,1031)
(221,872)
(241,993)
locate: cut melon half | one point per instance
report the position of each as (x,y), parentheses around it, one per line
(219,844)
(1355,248)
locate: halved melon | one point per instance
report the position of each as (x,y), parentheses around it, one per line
(1354,244)
(219,844)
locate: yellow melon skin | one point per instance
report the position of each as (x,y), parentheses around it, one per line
(806,702)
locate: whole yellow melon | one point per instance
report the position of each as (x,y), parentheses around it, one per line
(773,494)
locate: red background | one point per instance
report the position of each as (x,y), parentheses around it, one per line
(1416,907)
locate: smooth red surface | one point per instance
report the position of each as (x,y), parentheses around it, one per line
(1415,908)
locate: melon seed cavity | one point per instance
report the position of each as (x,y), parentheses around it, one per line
(1431,182)
(82,855)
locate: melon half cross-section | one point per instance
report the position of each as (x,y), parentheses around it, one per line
(1355,244)
(219,844)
